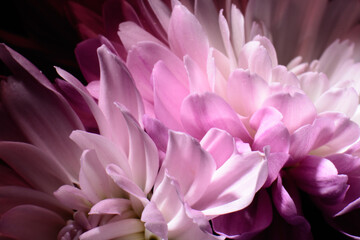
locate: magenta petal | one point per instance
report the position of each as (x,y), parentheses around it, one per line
(38,168)
(201,112)
(117,85)
(319,177)
(87,57)
(220,144)
(157,131)
(290,105)
(276,162)
(154,221)
(270,131)
(141,60)
(31,222)
(287,203)
(246,223)
(189,164)
(186,36)
(169,94)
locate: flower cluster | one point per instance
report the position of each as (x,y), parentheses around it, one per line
(196,122)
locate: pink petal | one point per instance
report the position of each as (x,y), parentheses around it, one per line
(287,203)
(114,230)
(233,185)
(201,112)
(154,221)
(225,34)
(106,150)
(87,58)
(116,85)
(162,12)
(73,198)
(246,92)
(157,131)
(319,177)
(37,168)
(141,60)
(169,94)
(220,144)
(314,84)
(344,100)
(187,37)
(254,56)
(120,178)
(189,164)
(31,222)
(246,223)
(290,105)
(111,206)
(143,155)
(237,30)
(276,162)
(94,181)
(198,80)
(45,119)
(131,34)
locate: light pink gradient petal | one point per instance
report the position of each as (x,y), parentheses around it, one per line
(187,37)
(201,112)
(154,220)
(189,164)
(246,92)
(227,191)
(73,198)
(290,105)
(111,206)
(220,144)
(168,96)
(198,81)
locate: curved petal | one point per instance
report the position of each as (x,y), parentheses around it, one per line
(290,105)
(39,169)
(169,94)
(234,184)
(186,36)
(246,92)
(73,198)
(111,206)
(201,112)
(189,164)
(31,222)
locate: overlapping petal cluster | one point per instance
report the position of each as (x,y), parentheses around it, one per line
(188,128)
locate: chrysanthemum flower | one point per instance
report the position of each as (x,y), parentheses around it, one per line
(199,69)
(116,188)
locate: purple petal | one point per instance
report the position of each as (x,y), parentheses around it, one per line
(319,177)
(276,162)
(31,222)
(246,223)
(154,221)
(111,206)
(38,168)
(73,198)
(201,112)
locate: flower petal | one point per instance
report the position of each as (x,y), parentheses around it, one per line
(201,112)
(111,206)
(233,185)
(189,164)
(246,92)
(168,96)
(31,222)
